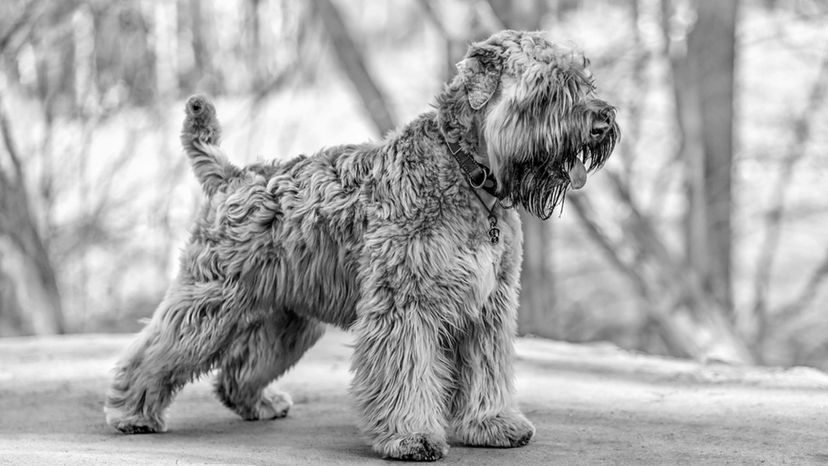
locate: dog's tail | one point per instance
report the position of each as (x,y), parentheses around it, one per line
(200,137)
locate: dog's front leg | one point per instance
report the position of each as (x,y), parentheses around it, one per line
(400,379)
(483,411)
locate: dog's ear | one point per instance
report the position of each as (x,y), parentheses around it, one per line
(480,73)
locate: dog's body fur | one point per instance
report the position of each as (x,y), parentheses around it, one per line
(388,240)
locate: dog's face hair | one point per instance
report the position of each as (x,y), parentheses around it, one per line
(541,125)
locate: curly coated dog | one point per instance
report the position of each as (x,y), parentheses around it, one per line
(412,243)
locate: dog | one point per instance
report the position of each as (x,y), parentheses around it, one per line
(412,243)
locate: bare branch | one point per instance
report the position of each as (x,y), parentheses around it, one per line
(434,18)
(690,323)
(608,246)
(497,16)
(795,307)
(651,241)
(16,25)
(801,129)
(10,143)
(353,64)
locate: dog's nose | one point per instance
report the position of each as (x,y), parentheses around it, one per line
(600,126)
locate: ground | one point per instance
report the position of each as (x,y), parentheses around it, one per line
(591,404)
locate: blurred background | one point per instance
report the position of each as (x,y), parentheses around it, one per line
(705,236)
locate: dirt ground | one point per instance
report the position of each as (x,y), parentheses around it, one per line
(590,404)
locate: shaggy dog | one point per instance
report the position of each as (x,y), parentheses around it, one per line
(411,243)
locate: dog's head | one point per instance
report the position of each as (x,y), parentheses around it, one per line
(538,119)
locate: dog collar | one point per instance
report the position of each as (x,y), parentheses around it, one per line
(478,175)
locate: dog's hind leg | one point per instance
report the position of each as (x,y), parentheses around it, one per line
(188,331)
(259,355)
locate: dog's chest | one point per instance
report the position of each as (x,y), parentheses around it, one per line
(491,261)
(485,272)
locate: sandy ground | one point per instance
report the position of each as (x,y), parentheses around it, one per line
(590,404)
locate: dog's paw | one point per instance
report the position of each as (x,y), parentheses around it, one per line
(413,447)
(506,430)
(272,405)
(133,424)
(269,404)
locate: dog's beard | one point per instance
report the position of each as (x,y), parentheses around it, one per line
(539,184)
(537,188)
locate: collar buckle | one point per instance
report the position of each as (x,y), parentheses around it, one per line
(478,175)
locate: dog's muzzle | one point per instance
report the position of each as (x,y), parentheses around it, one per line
(602,125)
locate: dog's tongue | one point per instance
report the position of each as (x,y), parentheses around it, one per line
(577,174)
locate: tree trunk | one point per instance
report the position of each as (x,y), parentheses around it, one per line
(537,280)
(253,44)
(203,75)
(704,89)
(716,37)
(165,48)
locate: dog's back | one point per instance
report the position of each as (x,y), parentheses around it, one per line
(289,231)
